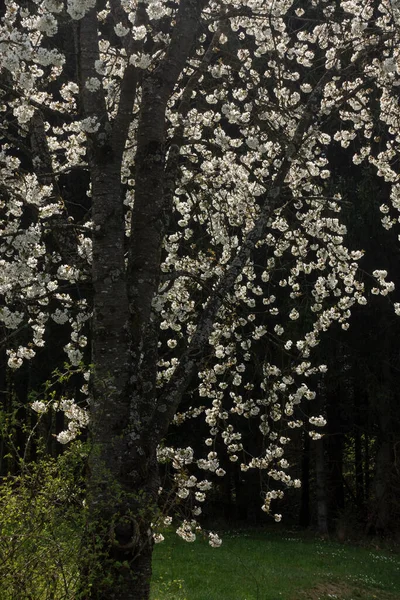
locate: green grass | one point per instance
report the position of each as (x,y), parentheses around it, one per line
(268,566)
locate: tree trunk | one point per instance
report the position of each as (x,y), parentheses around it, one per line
(382,482)
(119,540)
(358,466)
(123,472)
(381,486)
(304,516)
(334,448)
(358,450)
(320,473)
(367,466)
(333,444)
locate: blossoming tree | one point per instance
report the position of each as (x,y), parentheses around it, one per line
(213,235)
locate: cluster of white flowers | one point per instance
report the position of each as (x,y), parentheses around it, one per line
(90,124)
(78,417)
(214,540)
(78,8)
(385,287)
(141,61)
(93,84)
(17,357)
(187,530)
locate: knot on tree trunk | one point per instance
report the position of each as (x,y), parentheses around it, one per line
(125,533)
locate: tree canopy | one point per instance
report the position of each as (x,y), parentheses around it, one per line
(169,194)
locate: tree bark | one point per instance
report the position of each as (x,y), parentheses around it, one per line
(358,449)
(305,516)
(383,507)
(320,473)
(358,467)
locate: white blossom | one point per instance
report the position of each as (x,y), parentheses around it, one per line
(120,30)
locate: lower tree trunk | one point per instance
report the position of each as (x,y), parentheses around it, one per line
(334,449)
(118,543)
(320,473)
(360,407)
(358,466)
(382,482)
(125,573)
(305,516)
(367,466)
(333,444)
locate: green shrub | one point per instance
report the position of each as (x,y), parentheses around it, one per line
(41,520)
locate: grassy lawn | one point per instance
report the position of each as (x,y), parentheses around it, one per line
(261,565)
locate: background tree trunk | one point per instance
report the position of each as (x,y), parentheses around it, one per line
(305,515)
(320,475)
